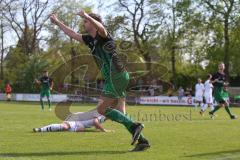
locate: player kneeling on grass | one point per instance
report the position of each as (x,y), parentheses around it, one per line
(74,126)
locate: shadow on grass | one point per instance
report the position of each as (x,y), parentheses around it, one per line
(220,153)
(61,153)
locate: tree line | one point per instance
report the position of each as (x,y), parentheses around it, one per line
(188,38)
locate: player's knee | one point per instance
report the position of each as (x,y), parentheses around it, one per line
(65,126)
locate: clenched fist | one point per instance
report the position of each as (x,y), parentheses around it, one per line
(82,13)
(54,19)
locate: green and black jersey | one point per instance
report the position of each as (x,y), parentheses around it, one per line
(108,61)
(218,91)
(45,82)
(221,78)
(105,55)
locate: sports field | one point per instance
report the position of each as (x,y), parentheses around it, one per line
(175,133)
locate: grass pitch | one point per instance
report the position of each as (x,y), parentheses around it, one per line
(175,133)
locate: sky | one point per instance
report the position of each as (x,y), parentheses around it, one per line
(98,6)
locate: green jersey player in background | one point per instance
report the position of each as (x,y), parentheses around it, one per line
(46,85)
(112,101)
(219,80)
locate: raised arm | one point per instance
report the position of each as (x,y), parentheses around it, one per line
(99,26)
(67,30)
(37,81)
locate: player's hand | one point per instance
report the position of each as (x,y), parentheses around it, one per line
(51,88)
(82,13)
(36,81)
(54,19)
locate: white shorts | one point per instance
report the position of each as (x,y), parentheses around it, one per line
(198,98)
(76,125)
(208,99)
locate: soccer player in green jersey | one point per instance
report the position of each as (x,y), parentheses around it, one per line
(46,86)
(112,101)
(219,81)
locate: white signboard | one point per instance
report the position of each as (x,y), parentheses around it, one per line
(36,97)
(165,100)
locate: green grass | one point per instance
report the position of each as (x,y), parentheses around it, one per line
(187,138)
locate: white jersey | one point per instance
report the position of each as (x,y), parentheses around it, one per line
(76,125)
(208,88)
(199,89)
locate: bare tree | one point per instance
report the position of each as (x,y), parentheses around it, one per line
(3,30)
(26,18)
(141,23)
(224,10)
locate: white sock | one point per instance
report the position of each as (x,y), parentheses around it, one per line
(211,107)
(196,105)
(204,107)
(52,128)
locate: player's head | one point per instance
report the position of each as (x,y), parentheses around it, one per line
(199,80)
(209,76)
(45,73)
(221,66)
(87,25)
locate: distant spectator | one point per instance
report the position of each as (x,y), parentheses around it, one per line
(180,93)
(188,92)
(140,83)
(8,91)
(170,91)
(151,91)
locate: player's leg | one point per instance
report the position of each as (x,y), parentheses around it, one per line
(203,108)
(206,103)
(53,128)
(216,108)
(42,94)
(226,106)
(211,102)
(198,101)
(48,94)
(219,99)
(105,107)
(121,106)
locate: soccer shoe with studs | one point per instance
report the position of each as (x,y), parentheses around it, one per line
(137,129)
(233,117)
(141,146)
(212,115)
(201,112)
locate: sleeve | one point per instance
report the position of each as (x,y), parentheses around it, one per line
(88,40)
(214,77)
(109,37)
